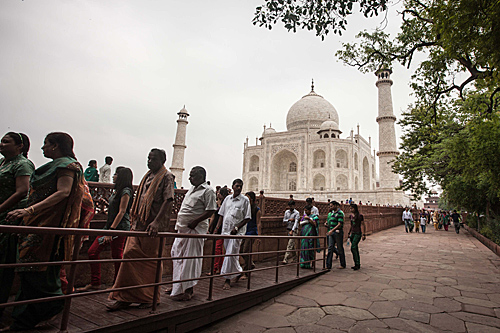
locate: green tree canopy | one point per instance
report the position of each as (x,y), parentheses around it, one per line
(451,133)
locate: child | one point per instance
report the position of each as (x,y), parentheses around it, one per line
(417,225)
(423,220)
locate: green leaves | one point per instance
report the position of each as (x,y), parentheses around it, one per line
(322,16)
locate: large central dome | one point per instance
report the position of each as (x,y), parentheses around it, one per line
(310,112)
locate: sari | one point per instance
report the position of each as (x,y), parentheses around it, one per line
(44,281)
(306,244)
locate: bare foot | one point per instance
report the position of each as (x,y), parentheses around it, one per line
(244,277)
(236,279)
(227,285)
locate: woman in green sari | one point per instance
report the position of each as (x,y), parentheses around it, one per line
(57,189)
(309,224)
(15,172)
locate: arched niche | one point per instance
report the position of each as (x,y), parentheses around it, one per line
(319,182)
(356,161)
(341,159)
(282,163)
(342,183)
(254,163)
(356,183)
(319,159)
(253,184)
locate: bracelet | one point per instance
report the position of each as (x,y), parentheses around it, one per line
(27,210)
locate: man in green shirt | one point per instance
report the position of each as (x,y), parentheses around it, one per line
(335,234)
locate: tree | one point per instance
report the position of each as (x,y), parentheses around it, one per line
(324,16)
(449,136)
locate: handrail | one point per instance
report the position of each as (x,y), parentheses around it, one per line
(78,232)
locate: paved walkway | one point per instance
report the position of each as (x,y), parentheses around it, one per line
(433,282)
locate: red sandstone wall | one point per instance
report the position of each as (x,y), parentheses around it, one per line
(376,219)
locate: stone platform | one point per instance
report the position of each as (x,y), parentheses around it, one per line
(433,282)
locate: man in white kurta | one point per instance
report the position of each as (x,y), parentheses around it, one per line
(198,205)
(236,213)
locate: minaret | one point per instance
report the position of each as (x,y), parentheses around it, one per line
(388,149)
(179,145)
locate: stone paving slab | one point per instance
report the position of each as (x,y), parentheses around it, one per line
(433,282)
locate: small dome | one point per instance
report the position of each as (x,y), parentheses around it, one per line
(268,130)
(310,112)
(329,125)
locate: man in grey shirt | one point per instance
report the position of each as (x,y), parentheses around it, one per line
(291,220)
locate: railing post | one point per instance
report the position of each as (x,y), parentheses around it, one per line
(212,271)
(158,274)
(249,276)
(277,260)
(297,255)
(324,251)
(314,256)
(71,284)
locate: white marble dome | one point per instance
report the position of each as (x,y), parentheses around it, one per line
(329,125)
(268,130)
(310,112)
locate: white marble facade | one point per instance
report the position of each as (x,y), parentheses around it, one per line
(312,158)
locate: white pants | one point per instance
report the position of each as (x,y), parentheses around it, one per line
(186,268)
(231,264)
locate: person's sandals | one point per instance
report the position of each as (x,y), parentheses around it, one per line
(88,287)
(118,305)
(168,291)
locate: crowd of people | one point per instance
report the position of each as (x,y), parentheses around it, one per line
(56,194)
(441,219)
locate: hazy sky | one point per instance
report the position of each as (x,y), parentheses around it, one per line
(114,74)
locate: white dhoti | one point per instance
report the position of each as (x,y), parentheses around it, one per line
(186,268)
(231,264)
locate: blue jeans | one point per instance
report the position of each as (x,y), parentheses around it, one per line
(423,227)
(336,238)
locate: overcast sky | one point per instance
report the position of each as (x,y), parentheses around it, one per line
(114,74)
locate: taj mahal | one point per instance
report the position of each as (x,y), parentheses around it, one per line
(313,157)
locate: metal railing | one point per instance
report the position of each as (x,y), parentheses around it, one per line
(79,233)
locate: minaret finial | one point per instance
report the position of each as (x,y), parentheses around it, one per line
(312,85)
(264,127)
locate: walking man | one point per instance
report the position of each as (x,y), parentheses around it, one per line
(105,170)
(291,220)
(150,212)
(235,213)
(198,205)
(335,234)
(407,219)
(456,221)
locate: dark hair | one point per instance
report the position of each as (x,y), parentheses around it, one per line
(291,203)
(224,192)
(21,139)
(64,141)
(335,203)
(200,170)
(92,162)
(356,210)
(108,159)
(161,153)
(253,202)
(237,181)
(309,200)
(124,179)
(308,207)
